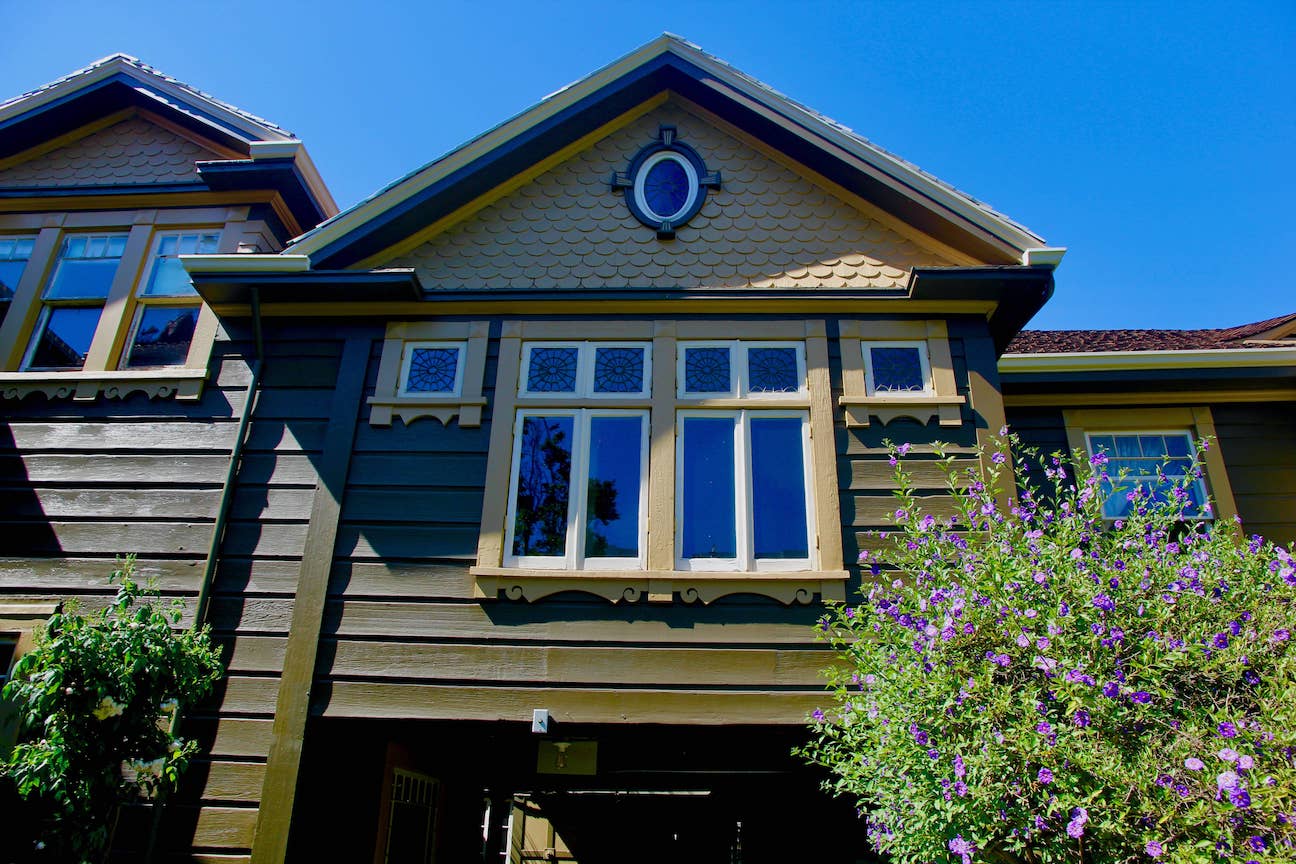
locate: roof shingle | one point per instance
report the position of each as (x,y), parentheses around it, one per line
(1068,341)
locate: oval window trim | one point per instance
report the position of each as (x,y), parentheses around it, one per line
(641,177)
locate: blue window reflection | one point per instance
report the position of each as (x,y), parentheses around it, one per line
(612,509)
(708,493)
(666,188)
(65,340)
(778,489)
(543,487)
(163,336)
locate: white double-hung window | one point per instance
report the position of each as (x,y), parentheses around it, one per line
(578,487)
(742,475)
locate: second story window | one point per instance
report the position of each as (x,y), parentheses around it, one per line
(168,305)
(74,300)
(14,252)
(897,368)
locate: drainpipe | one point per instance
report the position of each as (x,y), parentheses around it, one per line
(218,528)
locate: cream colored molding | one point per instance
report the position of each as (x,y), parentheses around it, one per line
(1100,361)
(944,403)
(1197,420)
(181,382)
(1044,256)
(1143,397)
(387,401)
(660,586)
(245,263)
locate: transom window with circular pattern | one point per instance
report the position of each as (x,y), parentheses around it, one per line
(666,183)
(432,368)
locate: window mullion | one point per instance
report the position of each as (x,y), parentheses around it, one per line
(119,304)
(743,490)
(579,491)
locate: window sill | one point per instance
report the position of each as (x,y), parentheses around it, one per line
(410,408)
(185,384)
(659,586)
(888,408)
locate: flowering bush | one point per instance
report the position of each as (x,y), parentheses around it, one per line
(1043,685)
(95,697)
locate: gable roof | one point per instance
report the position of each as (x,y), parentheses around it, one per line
(668,63)
(1253,335)
(274,157)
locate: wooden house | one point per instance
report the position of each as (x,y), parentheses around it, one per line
(513,492)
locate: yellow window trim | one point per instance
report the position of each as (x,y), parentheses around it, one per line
(388,401)
(1197,421)
(942,402)
(660,581)
(103,373)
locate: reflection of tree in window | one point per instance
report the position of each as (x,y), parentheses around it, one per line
(602,510)
(544,484)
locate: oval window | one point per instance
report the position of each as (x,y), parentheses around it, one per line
(666,186)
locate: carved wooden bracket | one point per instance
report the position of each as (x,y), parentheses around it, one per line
(658,586)
(183,384)
(886,409)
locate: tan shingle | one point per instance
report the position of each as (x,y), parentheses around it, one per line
(133,151)
(766,227)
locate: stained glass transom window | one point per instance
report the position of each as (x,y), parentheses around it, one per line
(896,369)
(552,370)
(772,370)
(618,370)
(706,370)
(432,370)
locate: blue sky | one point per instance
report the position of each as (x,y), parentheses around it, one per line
(1154,140)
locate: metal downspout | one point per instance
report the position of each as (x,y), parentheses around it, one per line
(218,527)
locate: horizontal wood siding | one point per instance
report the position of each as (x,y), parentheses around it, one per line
(1258,442)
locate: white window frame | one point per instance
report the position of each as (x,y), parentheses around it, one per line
(744,521)
(641,180)
(48,305)
(585,365)
(739,369)
(407,359)
(924,362)
(1090,434)
(144,302)
(574,558)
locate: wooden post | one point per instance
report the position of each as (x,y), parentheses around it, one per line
(270,842)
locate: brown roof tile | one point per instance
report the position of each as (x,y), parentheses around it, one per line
(1067,341)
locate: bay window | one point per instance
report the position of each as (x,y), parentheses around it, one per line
(657,461)
(167,306)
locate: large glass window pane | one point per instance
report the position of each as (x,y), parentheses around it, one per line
(706,370)
(778,489)
(167,276)
(163,336)
(612,508)
(708,493)
(543,486)
(65,338)
(14,252)
(86,268)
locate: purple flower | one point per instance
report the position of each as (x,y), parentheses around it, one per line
(1192,763)
(962,847)
(1221,640)
(1228,754)
(1105,603)
(1079,818)
(1227,730)
(960,770)
(1154,849)
(1045,776)
(1245,763)
(1111,690)
(1239,798)
(1142,697)
(1081,718)
(818,715)
(1257,844)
